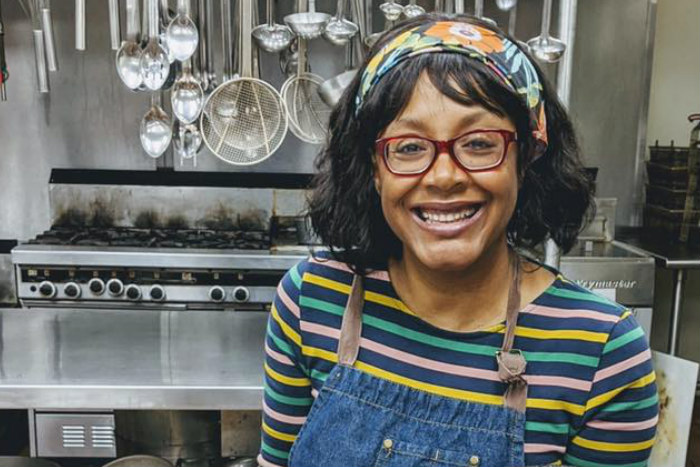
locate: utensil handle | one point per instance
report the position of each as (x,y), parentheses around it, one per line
(270,13)
(80,24)
(114,26)
(312,6)
(246,25)
(227,37)
(42,73)
(479,8)
(459,6)
(512,18)
(546,17)
(340,9)
(153,20)
(183,7)
(132,20)
(47,27)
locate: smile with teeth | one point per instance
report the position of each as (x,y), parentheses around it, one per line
(446,217)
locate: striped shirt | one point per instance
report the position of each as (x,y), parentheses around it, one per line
(592,398)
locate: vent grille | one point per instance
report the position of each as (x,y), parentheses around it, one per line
(102,436)
(73,436)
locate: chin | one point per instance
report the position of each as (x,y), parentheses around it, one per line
(448,257)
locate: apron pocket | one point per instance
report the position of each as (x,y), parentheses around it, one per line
(397,453)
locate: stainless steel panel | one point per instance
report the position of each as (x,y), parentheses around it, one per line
(75,435)
(8,286)
(85,359)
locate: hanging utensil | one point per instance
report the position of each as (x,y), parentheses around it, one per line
(114,26)
(156,131)
(392,10)
(155,65)
(506,5)
(243,121)
(339,31)
(227,38)
(332,89)
(4,75)
(49,42)
(42,72)
(182,36)
(272,37)
(545,47)
(206,59)
(187,141)
(412,10)
(309,25)
(512,18)
(79,24)
(129,54)
(187,95)
(459,7)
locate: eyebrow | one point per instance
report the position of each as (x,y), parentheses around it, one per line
(465,121)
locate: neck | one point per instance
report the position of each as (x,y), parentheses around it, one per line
(464,300)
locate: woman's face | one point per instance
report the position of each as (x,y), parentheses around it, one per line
(421,209)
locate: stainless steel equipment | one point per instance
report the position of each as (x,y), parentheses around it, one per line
(8,286)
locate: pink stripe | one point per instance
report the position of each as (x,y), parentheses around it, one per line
(282,417)
(331,263)
(622,366)
(263,463)
(448,368)
(314,393)
(533,448)
(623,426)
(288,302)
(278,356)
(563,313)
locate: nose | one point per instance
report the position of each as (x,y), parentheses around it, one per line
(446,174)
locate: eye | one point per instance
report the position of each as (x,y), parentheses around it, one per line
(409,147)
(477,144)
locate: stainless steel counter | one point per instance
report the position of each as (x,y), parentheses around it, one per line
(97,359)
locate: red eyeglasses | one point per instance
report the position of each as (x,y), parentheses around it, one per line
(476,151)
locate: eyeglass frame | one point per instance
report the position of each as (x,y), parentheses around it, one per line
(381,146)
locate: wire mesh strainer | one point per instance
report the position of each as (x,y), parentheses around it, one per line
(243,121)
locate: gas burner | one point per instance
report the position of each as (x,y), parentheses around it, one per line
(157,238)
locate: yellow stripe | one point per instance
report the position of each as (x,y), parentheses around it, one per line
(551,404)
(608,396)
(455,393)
(345,289)
(286,329)
(561,334)
(613,447)
(625,315)
(319,353)
(288,380)
(278,434)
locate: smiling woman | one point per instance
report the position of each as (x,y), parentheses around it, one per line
(426,335)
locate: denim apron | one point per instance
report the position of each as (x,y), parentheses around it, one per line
(360,420)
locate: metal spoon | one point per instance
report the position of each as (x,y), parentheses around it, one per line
(392,10)
(188,141)
(155,131)
(339,30)
(272,37)
(129,54)
(182,36)
(545,47)
(154,64)
(187,97)
(412,10)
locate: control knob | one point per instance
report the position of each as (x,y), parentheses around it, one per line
(241,294)
(217,294)
(96,286)
(72,290)
(157,293)
(115,287)
(133,292)
(47,289)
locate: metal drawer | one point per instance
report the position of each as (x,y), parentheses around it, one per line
(75,435)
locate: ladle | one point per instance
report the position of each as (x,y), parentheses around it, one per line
(392,10)
(187,97)
(182,36)
(308,25)
(155,131)
(339,30)
(272,37)
(506,5)
(412,10)
(154,64)
(545,47)
(129,54)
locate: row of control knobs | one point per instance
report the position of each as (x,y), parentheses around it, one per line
(116,288)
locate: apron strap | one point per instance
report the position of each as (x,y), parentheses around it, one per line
(511,362)
(351,329)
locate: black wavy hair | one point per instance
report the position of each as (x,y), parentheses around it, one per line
(555,192)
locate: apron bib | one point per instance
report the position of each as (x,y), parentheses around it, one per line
(360,420)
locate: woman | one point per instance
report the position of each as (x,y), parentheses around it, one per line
(423,338)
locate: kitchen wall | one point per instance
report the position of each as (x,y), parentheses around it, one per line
(675,93)
(90,120)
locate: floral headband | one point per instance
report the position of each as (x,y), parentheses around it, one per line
(497,52)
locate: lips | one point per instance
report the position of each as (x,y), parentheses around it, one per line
(443,216)
(447,220)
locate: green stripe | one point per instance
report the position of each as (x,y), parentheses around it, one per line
(585,296)
(556,428)
(624,339)
(319,375)
(475,349)
(282,399)
(274,452)
(575,461)
(282,345)
(296,278)
(636,405)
